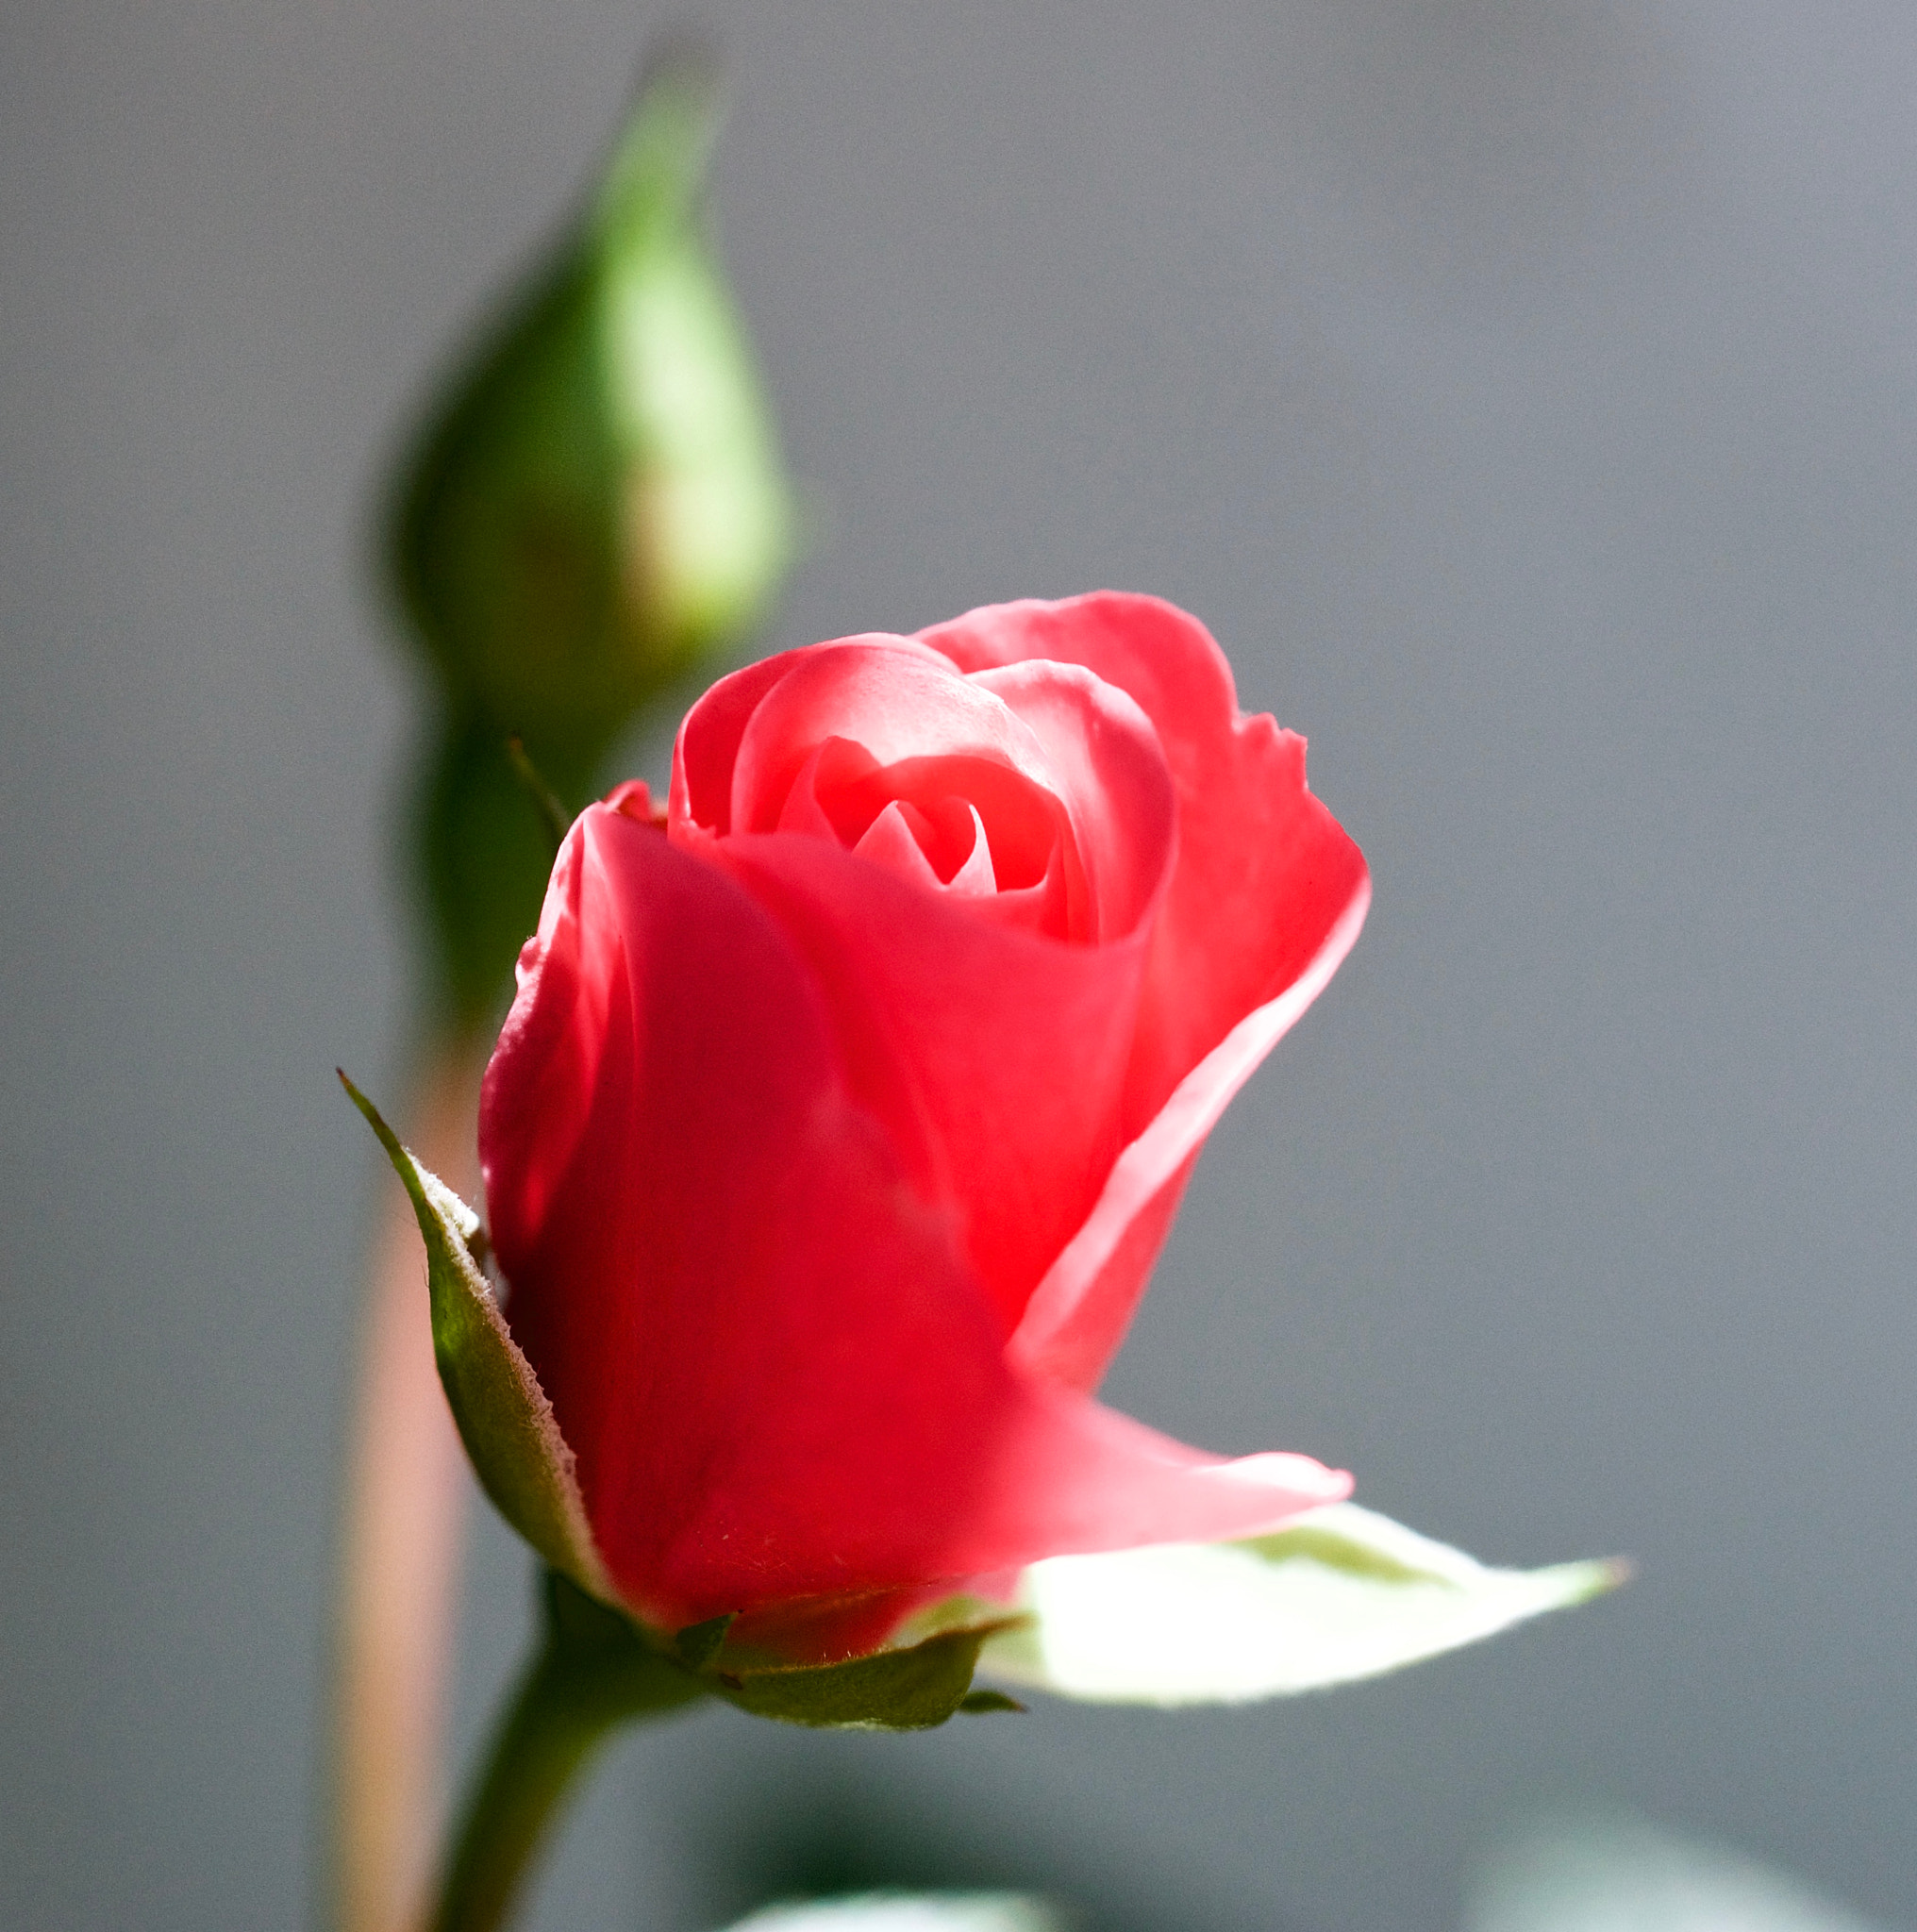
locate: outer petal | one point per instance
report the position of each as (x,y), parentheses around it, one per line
(778,1378)
(758,1343)
(1267,897)
(1071,1477)
(906,1911)
(1077,1316)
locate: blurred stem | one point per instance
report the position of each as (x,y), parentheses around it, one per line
(593,1675)
(403,1529)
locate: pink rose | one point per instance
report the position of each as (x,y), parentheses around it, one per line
(838,1123)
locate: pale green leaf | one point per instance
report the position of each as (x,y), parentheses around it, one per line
(1341,1593)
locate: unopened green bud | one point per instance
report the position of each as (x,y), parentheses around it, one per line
(599,499)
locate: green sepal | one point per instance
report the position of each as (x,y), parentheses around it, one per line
(599,1641)
(978,1703)
(698,1644)
(508,1426)
(545,800)
(907,1689)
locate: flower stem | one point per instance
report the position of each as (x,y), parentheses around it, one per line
(593,1672)
(403,1525)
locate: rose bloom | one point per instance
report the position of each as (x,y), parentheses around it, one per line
(843,1109)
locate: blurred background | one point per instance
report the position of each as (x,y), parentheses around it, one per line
(1526,397)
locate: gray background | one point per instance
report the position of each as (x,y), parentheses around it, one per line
(1524,393)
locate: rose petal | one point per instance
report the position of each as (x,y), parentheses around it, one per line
(890,841)
(975,878)
(1005,1093)
(1264,872)
(1335,1595)
(771,1368)
(778,1379)
(708,744)
(895,705)
(1078,1317)
(1267,896)
(1028,831)
(1002,1093)
(1072,1476)
(1108,768)
(534,1108)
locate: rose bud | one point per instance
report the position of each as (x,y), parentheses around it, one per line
(598,497)
(841,1113)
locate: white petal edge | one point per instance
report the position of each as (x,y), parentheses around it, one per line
(1194,1109)
(1339,1593)
(909,1911)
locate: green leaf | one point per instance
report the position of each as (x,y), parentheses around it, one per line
(1341,1595)
(506,1424)
(906,1690)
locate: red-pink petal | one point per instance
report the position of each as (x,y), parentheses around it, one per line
(888,841)
(1077,1318)
(1266,898)
(759,1344)
(995,1059)
(708,744)
(778,1379)
(1264,872)
(1071,1477)
(894,704)
(1105,765)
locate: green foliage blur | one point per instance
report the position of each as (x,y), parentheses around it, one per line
(594,502)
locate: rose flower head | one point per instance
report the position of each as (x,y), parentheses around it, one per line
(840,1115)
